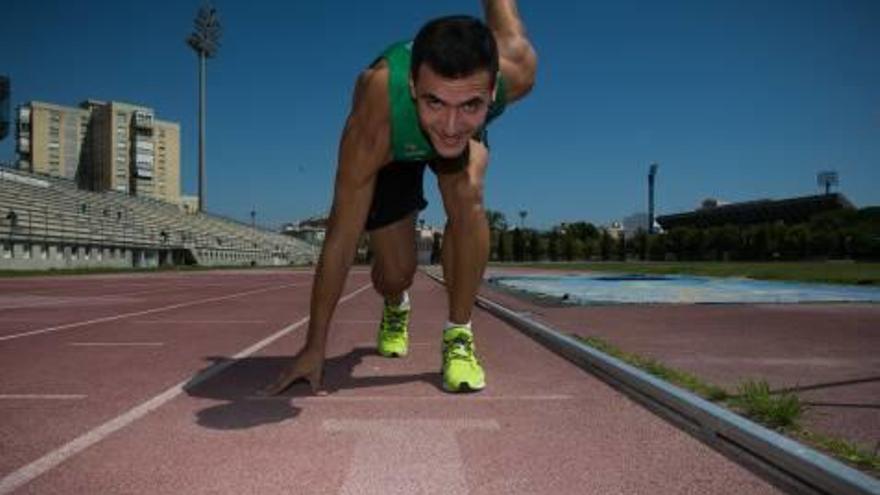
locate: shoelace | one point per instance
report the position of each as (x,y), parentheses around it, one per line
(394,319)
(458,348)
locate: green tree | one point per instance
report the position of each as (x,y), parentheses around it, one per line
(640,244)
(519,245)
(538,247)
(657,247)
(591,248)
(553,248)
(675,242)
(497,224)
(796,242)
(605,245)
(497,220)
(694,243)
(505,248)
(620,251)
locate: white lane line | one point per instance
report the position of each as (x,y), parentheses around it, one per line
(49,461)
(189,322)
(42,397)
(137,313)
(117,344)
(407,398)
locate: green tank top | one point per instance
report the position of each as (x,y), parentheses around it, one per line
(408,140)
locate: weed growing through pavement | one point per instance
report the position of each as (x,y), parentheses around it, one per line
(755,399)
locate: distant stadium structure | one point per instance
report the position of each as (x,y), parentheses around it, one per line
(789,211)
(48,223)
(310,230)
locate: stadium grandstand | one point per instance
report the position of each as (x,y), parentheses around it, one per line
(789,211)
(48,223)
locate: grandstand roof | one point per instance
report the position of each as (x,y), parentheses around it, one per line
(790,210)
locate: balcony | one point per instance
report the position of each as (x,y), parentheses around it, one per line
(142,120)
(24,145)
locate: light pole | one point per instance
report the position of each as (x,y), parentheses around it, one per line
(652,173)
(827,179)
(522,219)
(254,233)
(205,40)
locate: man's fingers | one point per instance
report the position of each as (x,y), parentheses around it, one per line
(289,378)
(314,379)
(280,385)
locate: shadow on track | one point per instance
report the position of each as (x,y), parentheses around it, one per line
(239,382)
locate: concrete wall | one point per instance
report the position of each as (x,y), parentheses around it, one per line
(16,255)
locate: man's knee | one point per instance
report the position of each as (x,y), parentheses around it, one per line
(393,278)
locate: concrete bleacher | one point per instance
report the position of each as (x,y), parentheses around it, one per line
(47,222)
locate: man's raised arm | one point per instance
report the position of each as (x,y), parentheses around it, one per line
(517,58)
(363,150)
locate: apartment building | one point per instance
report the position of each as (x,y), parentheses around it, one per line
(102,146)
(50,138)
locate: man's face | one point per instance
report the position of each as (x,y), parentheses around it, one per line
(451,110)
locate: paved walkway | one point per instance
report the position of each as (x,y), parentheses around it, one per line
(162,401)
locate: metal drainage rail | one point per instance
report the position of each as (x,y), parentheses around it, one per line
(785,462)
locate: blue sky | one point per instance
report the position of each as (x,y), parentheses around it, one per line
(737,100)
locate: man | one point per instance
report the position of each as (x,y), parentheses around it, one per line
(424,103)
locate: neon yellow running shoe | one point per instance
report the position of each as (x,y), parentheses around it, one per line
(393,338)
(461,370)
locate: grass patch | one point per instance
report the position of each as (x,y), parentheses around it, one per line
(853,273)
(844,450)
(681,378)
(755,400)
(778,411)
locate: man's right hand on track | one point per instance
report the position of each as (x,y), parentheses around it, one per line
(308,365)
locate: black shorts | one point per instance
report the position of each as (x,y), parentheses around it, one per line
(399,192)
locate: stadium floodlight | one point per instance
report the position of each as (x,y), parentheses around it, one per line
(205,40)
(4,107)
(826,179)
(652,173)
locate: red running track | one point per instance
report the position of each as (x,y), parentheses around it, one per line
(830,353)
(124,404)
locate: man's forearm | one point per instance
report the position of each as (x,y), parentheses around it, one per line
(337,256)
(503,18)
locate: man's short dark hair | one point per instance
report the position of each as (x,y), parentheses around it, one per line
(455,46)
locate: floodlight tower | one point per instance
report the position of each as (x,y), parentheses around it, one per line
(652,173)
(827,179)
(4,107)
(205,40)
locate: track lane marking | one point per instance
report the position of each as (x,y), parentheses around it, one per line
(27,473)
(42,396)
(189,322)
(116,344)
(139,313)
